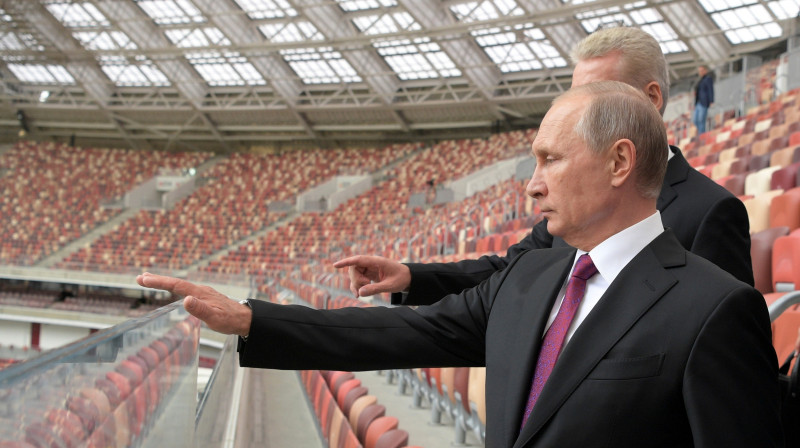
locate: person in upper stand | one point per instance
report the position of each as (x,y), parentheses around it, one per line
(703,98)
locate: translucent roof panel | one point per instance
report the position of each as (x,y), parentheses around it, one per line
(320,66)
(123,73)
(386,23)
(486,10)
(196,37)
(291,32)
(229,69)
(636,14)
(104,40)
(74,14)
(745,22)
(167,12)
(41,74)
(785,9)
(266,9)
(417,59)
(519,48)
(18,41)
(362,5)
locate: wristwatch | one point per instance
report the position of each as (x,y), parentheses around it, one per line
(245,302)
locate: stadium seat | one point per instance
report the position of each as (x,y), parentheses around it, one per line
(785,178)
(351,396)
(368,415)
(761,254)
(394,438)
(735,184)
(759,182)
(786,263)
(358,406)
(377,428)
(785,210)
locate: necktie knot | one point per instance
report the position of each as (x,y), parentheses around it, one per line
(584,268)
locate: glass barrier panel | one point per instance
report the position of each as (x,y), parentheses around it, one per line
(214,407)
(131,385)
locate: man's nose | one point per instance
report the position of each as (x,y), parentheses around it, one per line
(536,187)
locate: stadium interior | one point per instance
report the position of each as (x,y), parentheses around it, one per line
(249,144)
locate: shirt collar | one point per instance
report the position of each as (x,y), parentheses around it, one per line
(613,254)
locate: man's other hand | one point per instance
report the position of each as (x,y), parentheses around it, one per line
(371,275)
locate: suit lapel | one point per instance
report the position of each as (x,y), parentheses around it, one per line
(677,172)
(534,311)
(637,288)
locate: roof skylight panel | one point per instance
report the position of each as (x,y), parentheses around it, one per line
(225,69)
(785,9)
(362,5)
(744,21)
(125,74)
(266,9)
(76,14)
(169,12)
(417,59)
(519,48)
(104,40)
(323,66)
(41,74)
(291,32)
(9,41)
(197,37)
(633,14)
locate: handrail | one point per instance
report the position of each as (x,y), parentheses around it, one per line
(782,304)
(101,347)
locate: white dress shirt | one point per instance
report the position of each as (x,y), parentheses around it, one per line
(609,257)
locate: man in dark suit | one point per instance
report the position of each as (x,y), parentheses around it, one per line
(707,219)
(661,347)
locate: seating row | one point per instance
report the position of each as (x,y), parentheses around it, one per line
(348,416)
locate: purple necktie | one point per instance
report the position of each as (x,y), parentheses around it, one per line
(554,338)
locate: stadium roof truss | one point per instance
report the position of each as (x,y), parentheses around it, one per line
(223,74)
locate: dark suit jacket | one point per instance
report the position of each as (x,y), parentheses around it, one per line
(707,220)
(676,353)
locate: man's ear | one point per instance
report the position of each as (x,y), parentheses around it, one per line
(653,91)
(623,160)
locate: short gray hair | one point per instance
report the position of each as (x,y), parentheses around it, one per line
(642,59)
(619,111)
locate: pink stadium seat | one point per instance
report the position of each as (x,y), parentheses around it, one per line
(394,438)
(368,415)
(785,178)
(377,428)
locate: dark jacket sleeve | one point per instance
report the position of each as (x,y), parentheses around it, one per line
(723,238)
(452,332)
(432,281)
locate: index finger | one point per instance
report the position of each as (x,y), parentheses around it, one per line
(349,261)
(171,284)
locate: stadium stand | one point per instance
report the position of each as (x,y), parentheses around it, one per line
(54,194)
